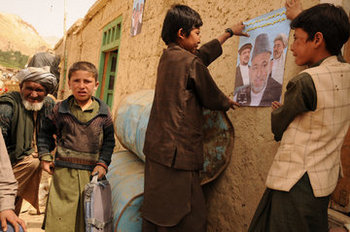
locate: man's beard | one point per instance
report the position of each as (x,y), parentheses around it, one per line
(32,106)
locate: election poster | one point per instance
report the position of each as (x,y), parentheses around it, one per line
(261,59)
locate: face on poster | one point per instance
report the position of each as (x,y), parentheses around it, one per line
(261,59)
(136,17)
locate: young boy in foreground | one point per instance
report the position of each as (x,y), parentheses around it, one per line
(85,142)
(173,198)
(311,125)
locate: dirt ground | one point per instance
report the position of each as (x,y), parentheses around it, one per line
(33,221)
(28,213)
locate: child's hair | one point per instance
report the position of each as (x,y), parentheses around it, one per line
(177,17)
(328,19)
(83,66)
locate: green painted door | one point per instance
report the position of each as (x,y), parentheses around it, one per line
(110,76)
(109,60)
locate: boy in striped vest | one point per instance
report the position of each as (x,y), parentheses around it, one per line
(311,124)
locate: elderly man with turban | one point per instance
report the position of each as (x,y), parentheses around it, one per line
(21,116)
(43,59)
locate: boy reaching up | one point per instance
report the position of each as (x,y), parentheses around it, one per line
(173,198)
(85,142)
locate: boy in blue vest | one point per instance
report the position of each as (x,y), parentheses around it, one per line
(85,142)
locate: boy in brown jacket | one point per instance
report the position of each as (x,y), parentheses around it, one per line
(173,198)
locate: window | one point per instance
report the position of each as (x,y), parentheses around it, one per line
(109,61)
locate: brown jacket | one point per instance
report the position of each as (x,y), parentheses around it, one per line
(184,86)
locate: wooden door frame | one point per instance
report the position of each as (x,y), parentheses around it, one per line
(103,81)
(111,36)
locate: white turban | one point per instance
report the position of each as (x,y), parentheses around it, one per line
(38,75)
(283,38)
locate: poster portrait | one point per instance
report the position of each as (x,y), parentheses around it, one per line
(261,59)
(136,17)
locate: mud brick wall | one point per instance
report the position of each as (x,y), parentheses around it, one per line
(233,197)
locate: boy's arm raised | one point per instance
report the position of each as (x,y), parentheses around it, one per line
(212,50)
(208,92)
(293,8)
(236,29)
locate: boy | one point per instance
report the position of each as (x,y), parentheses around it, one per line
(311,125)
(173,198)
(85,142)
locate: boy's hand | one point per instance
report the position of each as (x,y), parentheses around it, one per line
(47,166)
(238,28)
(233,104)
(101,171)
(10,216)
(294,8)
(275,105)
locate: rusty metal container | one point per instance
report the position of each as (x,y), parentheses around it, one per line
(126,177)
(131,124)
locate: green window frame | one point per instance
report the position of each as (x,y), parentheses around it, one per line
(108,67)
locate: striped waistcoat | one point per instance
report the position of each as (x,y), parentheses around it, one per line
(312,142)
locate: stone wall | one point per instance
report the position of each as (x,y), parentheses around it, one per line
(233,197)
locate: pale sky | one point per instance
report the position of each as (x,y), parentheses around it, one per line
(46,16)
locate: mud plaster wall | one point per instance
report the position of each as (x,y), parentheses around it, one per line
(233,197)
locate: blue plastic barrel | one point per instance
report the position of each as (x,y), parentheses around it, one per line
(126,177)
(131,124)
(132,119)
